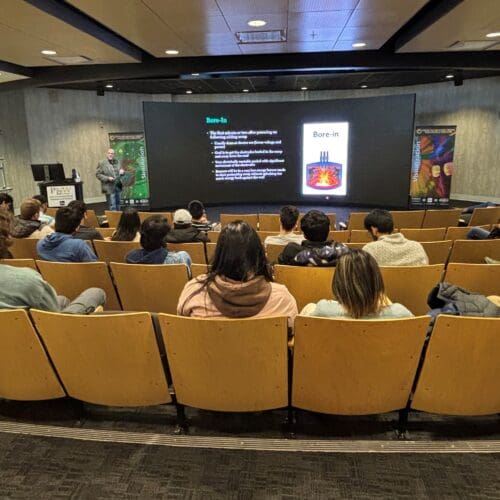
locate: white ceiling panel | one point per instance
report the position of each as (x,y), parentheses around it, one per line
(388,12)
(313,35)
(309,46)
(318,20)
(321,5)
(263,48)
(274,22)
(371,44)
(252,7)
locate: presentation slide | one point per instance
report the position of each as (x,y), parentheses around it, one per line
(324,158)
(345,151)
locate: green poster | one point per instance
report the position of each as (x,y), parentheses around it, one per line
(130,150)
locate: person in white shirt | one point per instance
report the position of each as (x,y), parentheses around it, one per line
(289,216)
(389,248)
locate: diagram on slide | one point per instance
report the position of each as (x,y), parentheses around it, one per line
(324,158)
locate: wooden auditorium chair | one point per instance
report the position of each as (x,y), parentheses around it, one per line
(114,251)
(437,251)
(20,263)
(269,222)
(91,219)
(196,250)
(106,232)
(481,216)
(429,234)
(408,218)
(357,220)
(460,233)
(113,217)
(251,219)
(441,218)
(360,236)
(474,277)
(474,251)
(24,248)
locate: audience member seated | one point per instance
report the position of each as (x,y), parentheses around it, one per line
(129,226)
(6,202)
(240,283)
(289,215)
(199,217)
(61,246)
(25,288)
(389,248)
(478,233)
(84,232)
(43,209)
(154,230)
(359,288)
(184,231)
(27,224)
(314,250)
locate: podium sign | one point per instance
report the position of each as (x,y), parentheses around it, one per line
(60,195)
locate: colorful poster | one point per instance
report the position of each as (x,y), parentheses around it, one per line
(432,167)
(130,150)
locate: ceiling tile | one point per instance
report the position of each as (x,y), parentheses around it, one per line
(183,8)
(252,7)
(263,48)
(317,20)
(313,35)
(321,5)
(370,44)
(274,22)
(363,33)
(310,46)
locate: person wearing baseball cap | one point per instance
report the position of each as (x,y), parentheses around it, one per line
(183,231)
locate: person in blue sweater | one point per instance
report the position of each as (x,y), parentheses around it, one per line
(60,246)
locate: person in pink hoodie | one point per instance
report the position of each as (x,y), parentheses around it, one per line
(240,282)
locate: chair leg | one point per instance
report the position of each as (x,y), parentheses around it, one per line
(402,431)
(182,421)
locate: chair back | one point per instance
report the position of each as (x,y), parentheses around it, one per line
(272,252)
(460,233)
(210,251)
(106,232)
(213,236)
(113,217)
(474,251)
(72,278)
(199,269)
(437,251)
(355,367)
(24,248)
(441,218)
(114,251)
(360,236)
(227,364)
(430,234)
(306,284)
(408,218)
(26,373)
(167,215)
(20,263)
(195,250)
(269,222)
(474,277)
(147,287)
(356,246)
(110,359)
(410,285)
(461,371)
(482,216)
(251,219)
(357,220)
(91,219)
(339,236)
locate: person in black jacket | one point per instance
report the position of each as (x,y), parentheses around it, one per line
(315,250)
(183,231)
(84,232)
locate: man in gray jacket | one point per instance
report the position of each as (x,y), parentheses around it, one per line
(109,172)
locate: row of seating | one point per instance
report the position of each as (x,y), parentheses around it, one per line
(402,218)
(341,367)
(156,288)
(439,252)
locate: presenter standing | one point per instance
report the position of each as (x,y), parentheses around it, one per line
(109,172)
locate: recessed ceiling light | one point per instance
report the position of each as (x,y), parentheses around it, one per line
(359,44)
(246,90)
(171,52)
(493,35)
(450,76)
(195,74)
(257,23)
(303,88)
(364,86)
(49,52)
(189,91)
(109,86)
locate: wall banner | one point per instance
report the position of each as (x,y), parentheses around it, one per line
(130,150)
(432,166)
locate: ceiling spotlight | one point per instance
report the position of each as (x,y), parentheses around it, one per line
(494,34)
(257,23)
(449,76)
(358,45)
(189,91)
(109,86)
(246,90)
(49,52)
(195,74)
(303,88)
(364,86)
(171,52)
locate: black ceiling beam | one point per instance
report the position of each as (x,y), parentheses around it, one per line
(431,12)
(263,64)
(16,69)
(72,16)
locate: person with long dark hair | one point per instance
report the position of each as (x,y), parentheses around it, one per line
(240,282)
(359,290)
(129,226)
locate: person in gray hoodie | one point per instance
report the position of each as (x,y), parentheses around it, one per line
(60,246)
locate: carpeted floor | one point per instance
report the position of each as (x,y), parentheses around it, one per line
(43,467)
